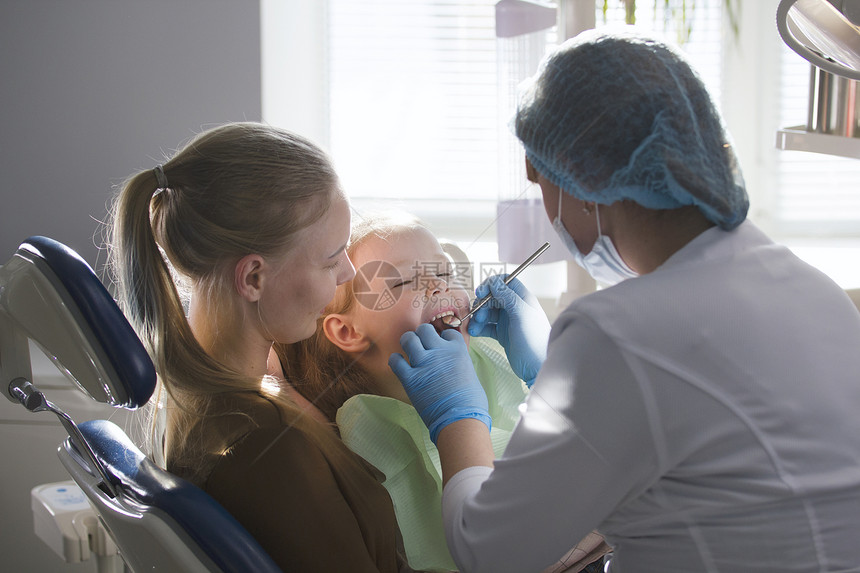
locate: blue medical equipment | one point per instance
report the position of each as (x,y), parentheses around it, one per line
(49,295)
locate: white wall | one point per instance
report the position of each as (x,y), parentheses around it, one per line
(91,91)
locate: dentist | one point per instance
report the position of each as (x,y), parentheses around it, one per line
(702,412)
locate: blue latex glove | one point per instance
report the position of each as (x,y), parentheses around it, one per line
(439,378)
(515,318)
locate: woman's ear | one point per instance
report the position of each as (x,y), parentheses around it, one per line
(248,277)
(341,332)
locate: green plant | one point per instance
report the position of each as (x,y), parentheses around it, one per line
(680,12)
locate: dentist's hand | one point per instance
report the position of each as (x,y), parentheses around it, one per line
(440,378)
(515,318)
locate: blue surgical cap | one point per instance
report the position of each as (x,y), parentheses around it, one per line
(615,115)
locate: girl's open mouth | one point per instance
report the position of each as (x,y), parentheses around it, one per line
(445,320)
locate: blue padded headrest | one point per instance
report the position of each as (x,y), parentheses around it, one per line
(204,520)
(105,320)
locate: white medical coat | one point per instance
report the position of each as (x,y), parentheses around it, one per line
(703,417)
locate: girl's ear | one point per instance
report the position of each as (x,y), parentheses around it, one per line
(341,332)
(248,277)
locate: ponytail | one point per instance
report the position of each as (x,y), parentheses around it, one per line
(234,190)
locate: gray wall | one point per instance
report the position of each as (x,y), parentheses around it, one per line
(91,91)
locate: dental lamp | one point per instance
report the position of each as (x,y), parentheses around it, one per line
(823,32)
(826,34)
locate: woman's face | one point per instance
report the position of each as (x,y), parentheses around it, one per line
(304,282)
(403,281)
(581,224)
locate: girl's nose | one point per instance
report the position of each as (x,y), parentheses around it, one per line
(436,285)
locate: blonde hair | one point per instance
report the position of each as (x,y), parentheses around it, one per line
(317,368)
(234,190)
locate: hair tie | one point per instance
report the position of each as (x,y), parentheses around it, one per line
(160,177)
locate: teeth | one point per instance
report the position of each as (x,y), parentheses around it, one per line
(447,318)
(442,315)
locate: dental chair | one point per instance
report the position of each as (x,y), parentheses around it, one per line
(49,295)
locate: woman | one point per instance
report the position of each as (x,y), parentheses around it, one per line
(701,413)
(254,223)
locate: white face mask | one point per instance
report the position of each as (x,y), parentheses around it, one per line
(603,262)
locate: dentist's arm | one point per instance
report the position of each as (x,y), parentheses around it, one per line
(464,444)
(441,383)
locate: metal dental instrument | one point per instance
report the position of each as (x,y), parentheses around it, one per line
(509,278)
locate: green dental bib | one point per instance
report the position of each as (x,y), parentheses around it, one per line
(390,435)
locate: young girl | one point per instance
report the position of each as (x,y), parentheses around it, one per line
(254,221)
(403,279)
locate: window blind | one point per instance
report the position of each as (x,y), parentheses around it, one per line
(414,98)
(816,194)
(413,105)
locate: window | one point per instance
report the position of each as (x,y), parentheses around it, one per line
(414,120)
(816,206)
(406,97)
(818,193)
(413,98)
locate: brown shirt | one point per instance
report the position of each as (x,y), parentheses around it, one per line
(311,503)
